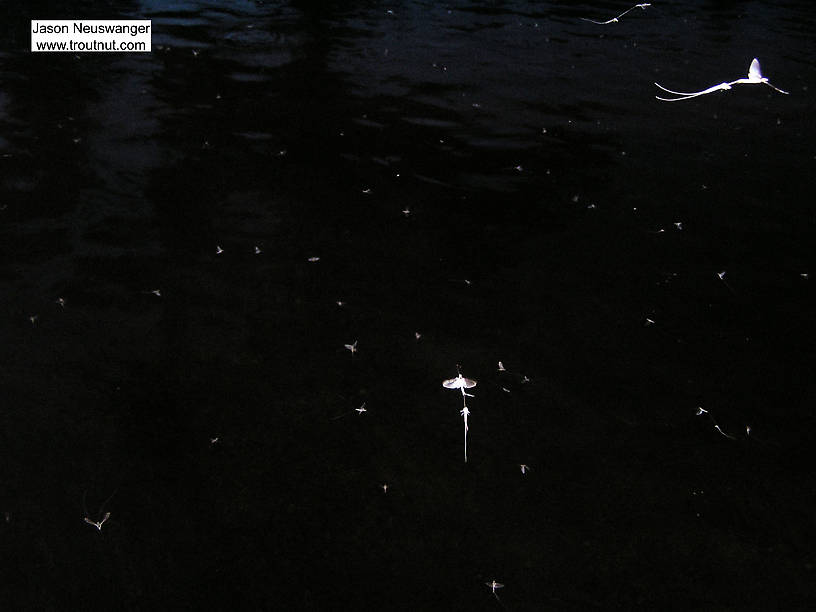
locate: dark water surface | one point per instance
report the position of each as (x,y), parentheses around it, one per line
(535,164)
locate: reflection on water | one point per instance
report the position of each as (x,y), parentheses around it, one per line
(410,147)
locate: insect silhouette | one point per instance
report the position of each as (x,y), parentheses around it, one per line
(105,517)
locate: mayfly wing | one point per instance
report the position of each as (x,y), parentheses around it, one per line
(452,383)
(754,72)
(459,382)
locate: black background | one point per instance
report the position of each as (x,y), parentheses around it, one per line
(536,165)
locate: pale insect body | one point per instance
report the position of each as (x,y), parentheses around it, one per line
(465,412)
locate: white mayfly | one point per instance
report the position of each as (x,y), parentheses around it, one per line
(460,382)
(754,76)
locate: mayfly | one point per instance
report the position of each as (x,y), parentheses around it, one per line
(493,586)
(105,517)
(462,383)
(100,523)
(754,76)
(615,19)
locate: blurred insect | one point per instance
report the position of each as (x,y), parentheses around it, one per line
(100,523)
(721,276)
(359,410)
(105,517)
(493,587)
(615,19)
